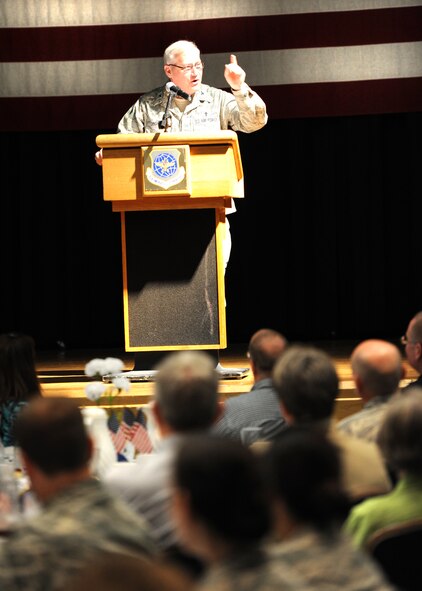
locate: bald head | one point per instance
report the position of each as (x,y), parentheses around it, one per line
(377,368)
(265,347)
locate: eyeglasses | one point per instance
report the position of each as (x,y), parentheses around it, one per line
(405,341)
(189,67)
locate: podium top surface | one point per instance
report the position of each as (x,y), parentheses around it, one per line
(120,140)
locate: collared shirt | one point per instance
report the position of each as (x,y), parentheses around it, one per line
(211,110)
(258,408)
(76,525)
(365,424)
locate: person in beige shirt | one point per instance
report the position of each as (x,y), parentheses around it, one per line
(306,382)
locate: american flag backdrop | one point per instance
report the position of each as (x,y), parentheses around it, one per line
(80,64)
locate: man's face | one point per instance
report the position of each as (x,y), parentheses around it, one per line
(413,349)
(188,79)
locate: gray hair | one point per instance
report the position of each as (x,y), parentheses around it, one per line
(306,382)
(186,390)
(400,434)
(173,50)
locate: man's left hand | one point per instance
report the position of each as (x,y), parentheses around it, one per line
(234,74)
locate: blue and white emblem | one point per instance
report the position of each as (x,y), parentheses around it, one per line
(165,170)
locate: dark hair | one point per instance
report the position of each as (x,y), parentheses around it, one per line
(400,434)
(306,382)
(225,487)
(303,470)
(18,376)
(265,347)
(186,390)
(52,434)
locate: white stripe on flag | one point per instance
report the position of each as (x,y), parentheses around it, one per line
(264,68)
(55,13)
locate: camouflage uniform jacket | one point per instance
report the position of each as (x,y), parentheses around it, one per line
(211,110)
(329,563)
(76,525)
(365,424)
(251,571)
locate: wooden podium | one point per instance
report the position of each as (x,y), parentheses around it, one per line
(172,191)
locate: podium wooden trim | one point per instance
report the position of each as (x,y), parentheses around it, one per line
(214,177)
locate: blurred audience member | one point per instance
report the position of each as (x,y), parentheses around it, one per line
(259,407)
(18,380)
(185,401)
(222,512)
(307,384)
(377,370)
(400,440)
(303,470)
(78,518)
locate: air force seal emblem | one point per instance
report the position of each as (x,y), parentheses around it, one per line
(164,170)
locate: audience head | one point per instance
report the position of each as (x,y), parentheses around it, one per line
(265,347)
(219,496)
(18,375)
(51,434)
(400,434)
(303,473)
(377,368)
(307,384)
(413,342)
(186,391)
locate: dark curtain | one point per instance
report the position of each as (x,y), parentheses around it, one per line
(325,243)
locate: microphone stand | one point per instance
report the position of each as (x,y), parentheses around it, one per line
(164,123)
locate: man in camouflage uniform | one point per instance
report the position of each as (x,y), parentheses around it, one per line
(206,110)
(78,519)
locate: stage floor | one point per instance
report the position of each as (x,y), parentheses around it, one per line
(62,374)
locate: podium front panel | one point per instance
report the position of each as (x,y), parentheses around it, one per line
(171,291)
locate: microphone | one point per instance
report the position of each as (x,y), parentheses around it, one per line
(177,91)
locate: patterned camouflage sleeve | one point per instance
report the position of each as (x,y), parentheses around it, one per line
(248,113)
(211,109)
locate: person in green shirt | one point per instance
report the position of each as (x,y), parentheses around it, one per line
(400,440)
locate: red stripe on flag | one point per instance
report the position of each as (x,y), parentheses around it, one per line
(399,95)
(283,102)
(220,35)
(119,440)
(141,439)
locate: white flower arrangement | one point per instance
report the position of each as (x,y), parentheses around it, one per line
(98,390)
